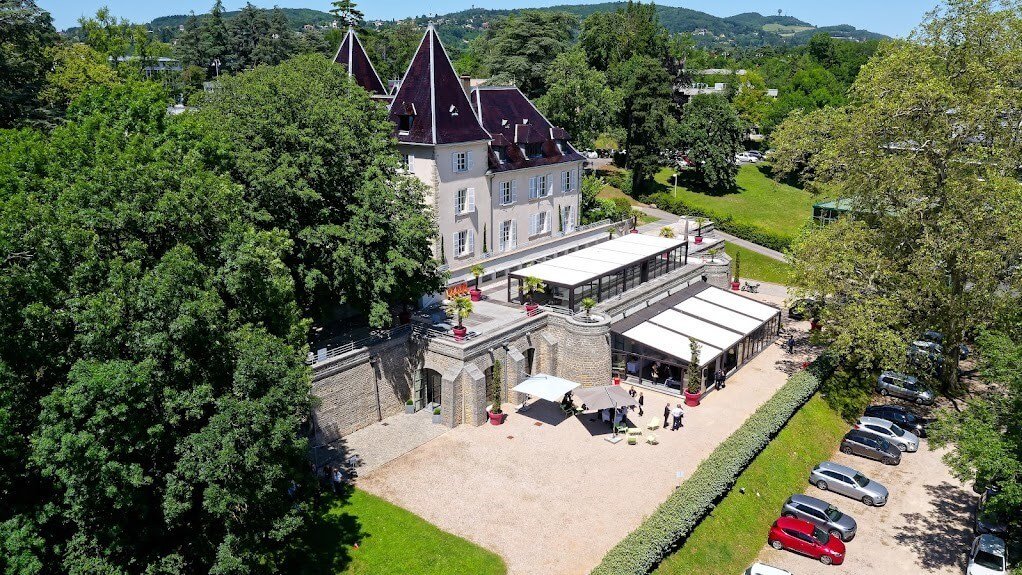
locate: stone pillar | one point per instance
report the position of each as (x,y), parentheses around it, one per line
(474,392)
(515,367)
(451,398)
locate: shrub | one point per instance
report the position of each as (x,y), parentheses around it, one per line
(848,392)
(436,411)
(662,531)
(622,208)
(727,223)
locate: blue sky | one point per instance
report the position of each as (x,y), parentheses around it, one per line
(891,17)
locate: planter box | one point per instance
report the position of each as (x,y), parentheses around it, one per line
(460,332)
(409,408)
(438,418)
(735,286)
(475,294)
(496,418)
(699,239)
(692,399)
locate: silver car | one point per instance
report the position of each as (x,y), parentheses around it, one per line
(904,386)
(849,482)
(820,513)
(903,440)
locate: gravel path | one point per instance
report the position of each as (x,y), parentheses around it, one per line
(392,438)
(548,493)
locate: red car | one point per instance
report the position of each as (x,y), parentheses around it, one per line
(805,538)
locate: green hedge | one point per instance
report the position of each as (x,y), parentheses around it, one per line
(727,224)
(660,533)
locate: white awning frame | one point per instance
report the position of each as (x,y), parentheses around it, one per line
(548,387)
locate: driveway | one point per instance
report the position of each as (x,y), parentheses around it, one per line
(549,494)
(926,526)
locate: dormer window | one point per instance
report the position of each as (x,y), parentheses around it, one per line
(533,151)
(499,153)
(405,122)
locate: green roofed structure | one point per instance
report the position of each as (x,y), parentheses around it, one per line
(827,212)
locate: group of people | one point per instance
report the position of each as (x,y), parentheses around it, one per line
(676,413)
(640,400)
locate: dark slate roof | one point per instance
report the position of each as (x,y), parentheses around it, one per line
(512,119)
(353,56)
(431,88)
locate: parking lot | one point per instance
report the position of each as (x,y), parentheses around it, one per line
(926,527)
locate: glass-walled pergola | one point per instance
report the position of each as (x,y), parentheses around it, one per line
(605,270)
(652,347)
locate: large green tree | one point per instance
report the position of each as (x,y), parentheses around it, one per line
(578,99)
(519,49)
(647,114)
(26,34)
(712,133)
(315,156)
(613,38)
(152,377)
(928,154)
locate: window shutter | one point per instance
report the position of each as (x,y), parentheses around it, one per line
(564,181)
(470,201)
(514,234)
(471,242)
(455,246)
(547,223)
(532,188)
(514,191)
(454,162)
(411,161)
(550,184)
(468,160)
(533,223)
(500,241)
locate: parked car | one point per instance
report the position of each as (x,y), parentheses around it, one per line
(805,538)
(820,513)
(756,154)
(986,520)
(926,355)
(897,414)
(938,338)
(892,432)
(745,158)
(904,386)
(987,556)
(870,446)
(763,569)
(846,481)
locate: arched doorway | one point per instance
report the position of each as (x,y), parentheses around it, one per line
(530,358)
(427,388)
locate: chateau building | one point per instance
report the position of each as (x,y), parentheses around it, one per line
(501,177)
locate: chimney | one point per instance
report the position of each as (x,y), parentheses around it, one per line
(466,84)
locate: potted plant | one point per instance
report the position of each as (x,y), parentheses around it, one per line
(699,229)
(737,263)
(477,272)
(667,232)
(694,386)
(409,406)
(588,304)
(610,233)
(437,418)
(533,286)
(460,308)
(497,416)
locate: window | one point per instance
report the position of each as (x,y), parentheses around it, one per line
(508,193)
(540,224)
(569,219)
(508,235)
(404,123)
(465,201)
(539,186)
(533,151)
(462,161)
(464,243)
(407,161)
(566,182)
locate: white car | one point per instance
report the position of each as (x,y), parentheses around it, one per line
(761,569)
(745,157)
(987,556)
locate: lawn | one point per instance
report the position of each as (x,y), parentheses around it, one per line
(758,267)
(731,537)
(759,201)
(390,540)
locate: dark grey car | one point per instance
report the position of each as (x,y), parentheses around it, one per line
(820,513)
(904,386)
(870,446)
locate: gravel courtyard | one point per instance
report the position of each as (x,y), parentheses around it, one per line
(548,493)
(926,526)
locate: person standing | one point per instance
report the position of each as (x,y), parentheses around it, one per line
(721,379)
(791,344)
(677,413)
(640,404)
(667,414)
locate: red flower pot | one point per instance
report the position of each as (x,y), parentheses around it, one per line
(634,231)
(617,380)
(735,286)
(496,418)
(475,294)
(530,308)
(692,399)
(699,239)
(459,332)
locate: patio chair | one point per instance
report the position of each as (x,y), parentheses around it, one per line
(634,431)
(651,439)
(653,424)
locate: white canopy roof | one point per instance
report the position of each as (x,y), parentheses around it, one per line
(714,313)
(545,386)
(593,262)
(671,343)
(742,305)
(714,335)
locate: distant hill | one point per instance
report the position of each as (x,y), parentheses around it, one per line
(297,17)
(457,28)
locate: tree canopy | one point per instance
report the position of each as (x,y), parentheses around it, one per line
(520,48)
(27,34)
(578,98)
(928,155)
(712,133)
